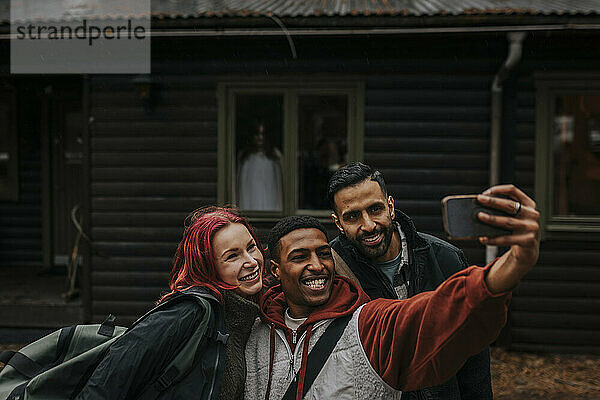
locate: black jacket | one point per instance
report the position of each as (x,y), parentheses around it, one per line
(431,261)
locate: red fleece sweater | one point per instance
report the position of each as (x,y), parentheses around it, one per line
(414,343)
(424,340)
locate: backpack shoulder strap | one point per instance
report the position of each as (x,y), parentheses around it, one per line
(318,356)
(6,355)
(23,364)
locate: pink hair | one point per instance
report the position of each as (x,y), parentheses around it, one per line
(194,263)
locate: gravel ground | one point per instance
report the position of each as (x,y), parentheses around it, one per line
(533,376)
(549,377)
(14,347)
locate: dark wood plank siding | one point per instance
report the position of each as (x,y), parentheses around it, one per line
(429,135)
(21,221)
(556,307)
(427,116)
(147,172)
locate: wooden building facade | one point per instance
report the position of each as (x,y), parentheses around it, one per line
(137,153)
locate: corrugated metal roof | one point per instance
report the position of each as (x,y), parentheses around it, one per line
(306,8)
(55,9)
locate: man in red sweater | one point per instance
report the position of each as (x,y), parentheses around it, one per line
(388,345)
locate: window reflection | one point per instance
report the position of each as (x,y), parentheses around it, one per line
(322,133)
(258,133)
(577,155)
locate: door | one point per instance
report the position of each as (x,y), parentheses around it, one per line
(64,143)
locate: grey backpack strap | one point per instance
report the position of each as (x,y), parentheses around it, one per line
(23,364)
(6,355)
(342,269)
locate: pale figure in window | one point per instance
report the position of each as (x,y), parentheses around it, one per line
(259,175)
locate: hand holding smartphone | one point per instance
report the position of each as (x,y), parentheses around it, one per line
(461,222)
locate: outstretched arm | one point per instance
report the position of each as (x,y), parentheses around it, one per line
(424,340)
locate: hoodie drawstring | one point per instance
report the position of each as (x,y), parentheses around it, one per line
(271,358)
(302,372)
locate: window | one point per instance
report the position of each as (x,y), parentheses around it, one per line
(9,165)
(568,153)
(279,143)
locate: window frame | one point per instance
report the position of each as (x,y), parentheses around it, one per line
(290,90)
(548,86)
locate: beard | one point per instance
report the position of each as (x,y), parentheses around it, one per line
(372,252)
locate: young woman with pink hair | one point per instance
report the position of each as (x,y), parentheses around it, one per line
(220,253)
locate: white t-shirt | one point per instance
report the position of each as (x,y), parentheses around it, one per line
(293,323)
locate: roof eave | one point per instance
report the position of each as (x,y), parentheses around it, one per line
(362,21)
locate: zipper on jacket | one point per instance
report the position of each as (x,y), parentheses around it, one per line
(403,269)
(291,373)
(293,337)
(299,347)
(290,353)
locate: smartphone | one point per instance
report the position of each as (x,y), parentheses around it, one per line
(461,222)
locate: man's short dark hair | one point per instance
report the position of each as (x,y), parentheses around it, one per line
(287,225)
(351,175)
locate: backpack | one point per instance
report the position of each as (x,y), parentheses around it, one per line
(58,365)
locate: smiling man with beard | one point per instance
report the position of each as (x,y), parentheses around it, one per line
(387,345)
(381,250)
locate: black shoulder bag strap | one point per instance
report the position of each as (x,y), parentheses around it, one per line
(318,356)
